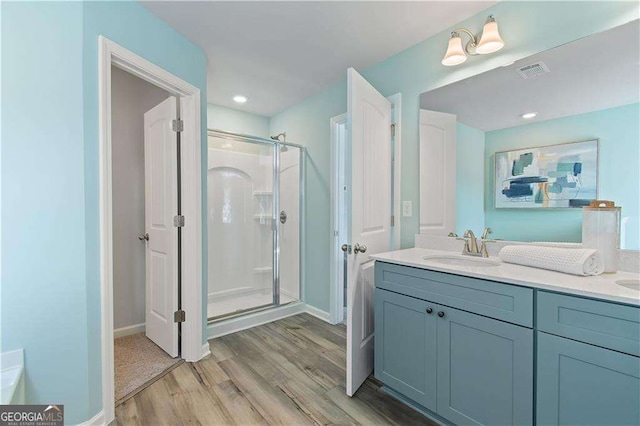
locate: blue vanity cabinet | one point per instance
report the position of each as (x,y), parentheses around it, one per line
(463,348)
(588,369)
(583,384)
(485,370)
(405,349)
(465,367)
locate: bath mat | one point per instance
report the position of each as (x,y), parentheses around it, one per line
(138,362)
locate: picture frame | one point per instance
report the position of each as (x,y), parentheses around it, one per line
(559,176)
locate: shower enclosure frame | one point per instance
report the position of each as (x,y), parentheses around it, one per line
(275,210)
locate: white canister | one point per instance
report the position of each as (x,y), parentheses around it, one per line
(601,231)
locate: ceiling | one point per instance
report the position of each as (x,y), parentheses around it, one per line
(594,73)
(278,53)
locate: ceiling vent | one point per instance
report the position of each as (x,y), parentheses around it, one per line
(533,70)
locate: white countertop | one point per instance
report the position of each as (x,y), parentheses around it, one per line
(602,287)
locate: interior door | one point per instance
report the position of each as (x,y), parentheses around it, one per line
(437,173)
(161,205)
(369,215)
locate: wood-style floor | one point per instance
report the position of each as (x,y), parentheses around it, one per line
(290,372)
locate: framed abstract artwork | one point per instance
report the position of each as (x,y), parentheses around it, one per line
(554,176)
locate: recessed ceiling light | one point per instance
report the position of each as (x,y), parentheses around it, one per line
(240,99)
(529,115)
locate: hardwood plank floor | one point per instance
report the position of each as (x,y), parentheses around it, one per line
(290,372)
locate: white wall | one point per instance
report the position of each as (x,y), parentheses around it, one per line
(236,121)
(131,98)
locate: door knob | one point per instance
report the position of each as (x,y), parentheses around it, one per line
(441,314)
(143,237)
(346,248)
(357,248)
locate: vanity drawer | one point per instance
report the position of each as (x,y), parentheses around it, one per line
(605,324)
(496,300)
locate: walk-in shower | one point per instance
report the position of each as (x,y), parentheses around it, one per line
(254,207)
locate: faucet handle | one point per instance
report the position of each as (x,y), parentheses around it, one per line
(466,248)
(483,247)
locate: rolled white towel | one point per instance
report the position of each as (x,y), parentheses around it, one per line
(576,261)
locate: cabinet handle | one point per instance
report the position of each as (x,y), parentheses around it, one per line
(429,310)
(441,314)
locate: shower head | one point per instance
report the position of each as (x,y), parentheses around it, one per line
(279,135)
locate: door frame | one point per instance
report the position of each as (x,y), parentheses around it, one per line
(110,53)
(336,290)
(336,293)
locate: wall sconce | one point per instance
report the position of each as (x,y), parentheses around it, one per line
(488,42)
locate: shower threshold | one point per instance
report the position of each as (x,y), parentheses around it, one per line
(284,300)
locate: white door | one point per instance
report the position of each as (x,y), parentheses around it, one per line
(369,140)
(437,173)
(161,205)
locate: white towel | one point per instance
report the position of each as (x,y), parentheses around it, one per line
(576,261)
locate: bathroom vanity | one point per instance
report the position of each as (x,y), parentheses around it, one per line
(498,344)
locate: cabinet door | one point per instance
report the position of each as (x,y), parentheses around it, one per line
(405,346)
(485,370)
(581,384)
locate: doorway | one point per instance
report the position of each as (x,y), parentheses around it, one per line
(187,299)
(145,336)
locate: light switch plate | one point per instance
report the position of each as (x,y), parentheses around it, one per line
(407,209)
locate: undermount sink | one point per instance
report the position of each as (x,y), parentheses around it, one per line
(461,260)
(632,284)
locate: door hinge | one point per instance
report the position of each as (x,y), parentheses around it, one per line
(179,316)
(393,129)
(393,220)
(177,125)
(178,221)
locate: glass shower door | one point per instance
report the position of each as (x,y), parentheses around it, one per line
(289,224)
(240,213)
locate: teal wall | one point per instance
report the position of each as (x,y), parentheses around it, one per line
(469,179)
(50,240)
(44,259)
(527,27)
(308,124)
(618,174)
(235,121)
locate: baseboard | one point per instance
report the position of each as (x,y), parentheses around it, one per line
(129,330)
(97,420)
(233,325)
(206,350)
(318,313)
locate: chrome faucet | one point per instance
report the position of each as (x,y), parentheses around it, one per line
(471,243)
